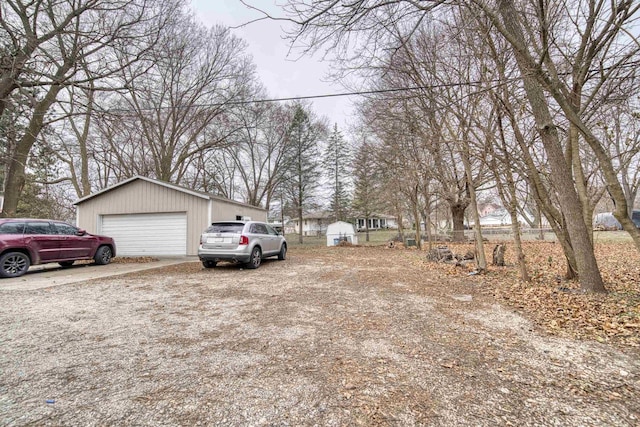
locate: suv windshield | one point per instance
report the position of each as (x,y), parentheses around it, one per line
(225,227)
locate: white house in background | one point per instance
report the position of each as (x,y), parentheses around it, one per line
(341,231)
(377,222)
(485,209)
(498,218)
(313,224)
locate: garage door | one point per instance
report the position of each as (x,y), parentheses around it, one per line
(147,234)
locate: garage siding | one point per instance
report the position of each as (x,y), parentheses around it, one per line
(228,210)
(140,196)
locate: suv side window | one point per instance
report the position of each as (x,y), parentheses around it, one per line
(12,228)
(259,229)
(271,230)
(38,228)
(65,229)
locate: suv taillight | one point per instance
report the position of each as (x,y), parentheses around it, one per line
(244,240)
(203,239)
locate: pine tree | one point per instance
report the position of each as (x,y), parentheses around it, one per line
(337,163)
(366,200)
(302,167)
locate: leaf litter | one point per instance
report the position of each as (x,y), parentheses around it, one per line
(332,336)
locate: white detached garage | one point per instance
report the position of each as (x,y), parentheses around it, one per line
(137,234)
(154,218)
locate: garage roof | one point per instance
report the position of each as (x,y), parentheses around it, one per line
(194,193)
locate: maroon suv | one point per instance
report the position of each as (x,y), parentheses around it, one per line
(25,242)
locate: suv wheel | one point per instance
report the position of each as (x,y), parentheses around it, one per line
(103,255)
(14,264)
(283,252)
(256,258)
(209,264)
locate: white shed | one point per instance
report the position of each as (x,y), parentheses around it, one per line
(341,231)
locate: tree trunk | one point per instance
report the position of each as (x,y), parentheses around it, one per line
(511,203)
(481,259)
(300,226)
(427,221)
(400,220)
(15,178)
(540,193)
(576,163)
(416,216)
(588,272)
(457,217)
(366,227)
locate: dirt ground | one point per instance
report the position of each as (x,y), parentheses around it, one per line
(329,337)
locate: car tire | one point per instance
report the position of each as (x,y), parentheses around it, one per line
(14,264)
(282,255)
(66,263)
(256,258)
(209,264)
(103,255)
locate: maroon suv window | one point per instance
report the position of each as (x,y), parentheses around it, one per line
(38,228)
(65,229)
(12,228)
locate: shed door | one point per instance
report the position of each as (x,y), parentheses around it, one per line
(163,234)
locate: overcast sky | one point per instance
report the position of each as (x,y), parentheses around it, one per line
(283,76)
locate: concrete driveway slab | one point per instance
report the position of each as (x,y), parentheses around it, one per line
(47,275)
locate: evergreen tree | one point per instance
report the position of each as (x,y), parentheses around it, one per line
(337,159)
(366,199)
(302,167)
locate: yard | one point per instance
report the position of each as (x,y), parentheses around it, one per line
(332,336)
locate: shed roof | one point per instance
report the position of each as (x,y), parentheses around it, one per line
(194,193)
(340,227)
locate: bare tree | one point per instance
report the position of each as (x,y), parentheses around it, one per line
(182,105)
(260,150)
(619,127)
(534,32)
(45,42)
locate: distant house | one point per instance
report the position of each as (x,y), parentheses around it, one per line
(487,209)
(313,224)
(377,222)
(499,217)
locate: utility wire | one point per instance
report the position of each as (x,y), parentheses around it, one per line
(304,97)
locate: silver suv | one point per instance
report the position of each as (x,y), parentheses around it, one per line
(240,241)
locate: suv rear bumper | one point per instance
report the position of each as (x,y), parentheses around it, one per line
(205,255)
(242,259)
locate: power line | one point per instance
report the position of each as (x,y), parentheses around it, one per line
(491,84)
(305,97)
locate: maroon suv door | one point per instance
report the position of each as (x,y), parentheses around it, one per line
(72,245)
(42,238)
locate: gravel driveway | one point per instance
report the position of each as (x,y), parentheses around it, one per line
(331,336)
